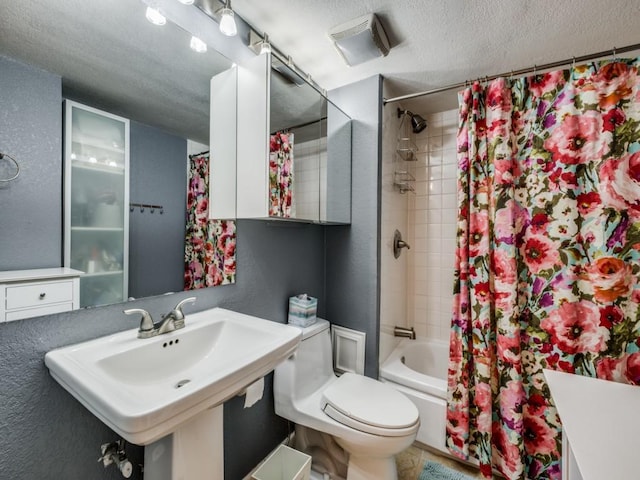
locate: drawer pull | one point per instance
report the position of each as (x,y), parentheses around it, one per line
(42,295)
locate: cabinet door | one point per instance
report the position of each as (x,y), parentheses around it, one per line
(97,202)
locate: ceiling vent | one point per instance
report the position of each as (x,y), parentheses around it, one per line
(360,40)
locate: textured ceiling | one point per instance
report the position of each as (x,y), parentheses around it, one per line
(438,42)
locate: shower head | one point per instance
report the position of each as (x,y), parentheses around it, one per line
(418,123)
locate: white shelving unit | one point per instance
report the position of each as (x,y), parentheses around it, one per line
(96,159)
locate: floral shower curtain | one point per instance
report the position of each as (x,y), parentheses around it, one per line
(548,256)
(210,245)
(281,175)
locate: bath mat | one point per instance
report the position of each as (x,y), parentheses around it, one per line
(437,471)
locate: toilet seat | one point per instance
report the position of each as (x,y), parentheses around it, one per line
(369,406)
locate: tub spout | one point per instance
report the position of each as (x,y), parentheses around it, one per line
(404,332)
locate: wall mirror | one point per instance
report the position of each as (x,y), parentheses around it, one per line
(293,158)
(320,138)
(111,58)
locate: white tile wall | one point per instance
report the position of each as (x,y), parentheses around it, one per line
(417,288)
(394,272)
(432,228)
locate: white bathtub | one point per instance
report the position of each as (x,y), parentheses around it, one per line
(418,368)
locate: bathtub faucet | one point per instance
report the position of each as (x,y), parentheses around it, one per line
(404,332)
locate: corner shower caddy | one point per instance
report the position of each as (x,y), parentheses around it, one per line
(406,151)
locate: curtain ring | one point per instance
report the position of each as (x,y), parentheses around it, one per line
(141,208)
(535,70)
(573,62)
(614,54)
(152,209)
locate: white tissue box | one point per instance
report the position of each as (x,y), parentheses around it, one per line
(302,310)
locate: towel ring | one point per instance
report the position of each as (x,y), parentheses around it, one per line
(2,155)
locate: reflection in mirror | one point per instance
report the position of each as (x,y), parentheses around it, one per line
(309,151)
(111,58)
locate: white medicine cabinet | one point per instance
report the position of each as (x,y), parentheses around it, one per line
(96,199)
(291,158)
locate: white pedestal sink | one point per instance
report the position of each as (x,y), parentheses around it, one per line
(166,392)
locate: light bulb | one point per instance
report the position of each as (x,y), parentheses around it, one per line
(155,17)
(198,45)
(186,2)
(227,22)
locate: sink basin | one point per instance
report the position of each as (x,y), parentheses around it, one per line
(144,389)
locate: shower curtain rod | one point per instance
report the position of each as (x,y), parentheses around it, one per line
(585,58)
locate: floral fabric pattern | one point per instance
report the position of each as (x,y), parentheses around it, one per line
(281,175)
(210,245)
(548,257)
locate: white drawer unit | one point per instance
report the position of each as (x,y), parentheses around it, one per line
(30,293)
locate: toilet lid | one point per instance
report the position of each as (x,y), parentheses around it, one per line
(370,406)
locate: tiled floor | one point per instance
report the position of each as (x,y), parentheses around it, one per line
(411,461)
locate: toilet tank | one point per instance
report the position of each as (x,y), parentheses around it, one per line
(310,367)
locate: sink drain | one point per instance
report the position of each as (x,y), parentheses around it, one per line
(182,383)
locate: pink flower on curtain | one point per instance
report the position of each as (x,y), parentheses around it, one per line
(575,328)
(625,369)
(542,438)
(620,183)
(578,139)
(540,253)
(546,83)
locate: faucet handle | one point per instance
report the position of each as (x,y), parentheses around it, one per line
(146,322)
(179,314)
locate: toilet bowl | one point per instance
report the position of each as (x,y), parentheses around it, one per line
(371,421)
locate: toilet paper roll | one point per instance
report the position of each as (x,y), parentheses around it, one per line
(254,393)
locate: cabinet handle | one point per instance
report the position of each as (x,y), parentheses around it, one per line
(42,295)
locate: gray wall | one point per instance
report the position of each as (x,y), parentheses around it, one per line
(353,253)
(158,176)
(46,434)
(30,131)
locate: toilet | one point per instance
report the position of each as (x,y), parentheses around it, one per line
(371,421)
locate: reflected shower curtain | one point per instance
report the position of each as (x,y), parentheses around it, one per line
(281,175)
(210,245)
(548,257)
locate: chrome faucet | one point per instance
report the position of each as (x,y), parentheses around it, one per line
(404,332)
(174,320)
